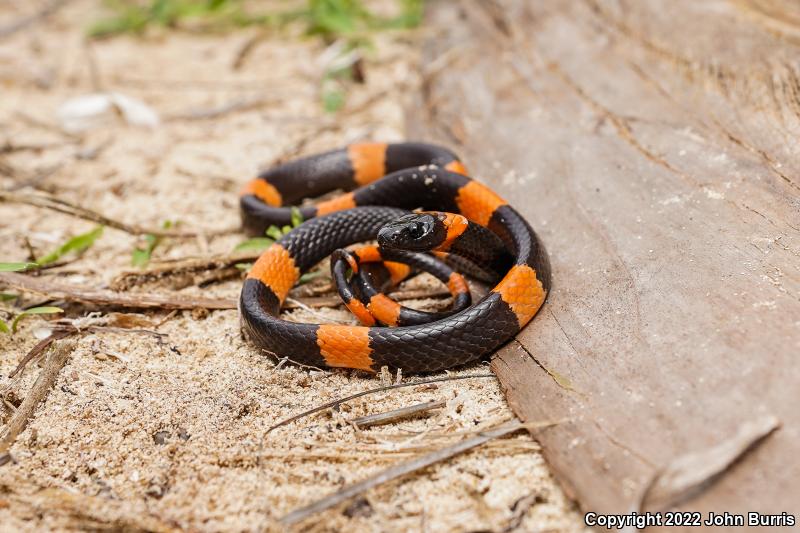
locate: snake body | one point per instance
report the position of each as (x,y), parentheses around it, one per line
(386,182)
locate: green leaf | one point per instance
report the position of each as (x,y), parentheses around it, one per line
(139,258)
(332,100)
(286,229)
(4,327)
(46,310)
(7,296)
(77,244)
(255,244)
(141,254)
(333,18)
(17,267)
(135,16)
(244,266)
(297,217)
(274,232)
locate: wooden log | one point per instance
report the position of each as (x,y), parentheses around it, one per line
(654,146)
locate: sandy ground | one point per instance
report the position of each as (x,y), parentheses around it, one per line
(142,434)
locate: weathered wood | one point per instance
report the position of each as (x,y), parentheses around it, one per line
(653,146)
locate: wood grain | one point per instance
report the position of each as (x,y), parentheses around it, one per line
(656,154)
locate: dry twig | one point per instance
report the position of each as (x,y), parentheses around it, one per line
(55,361)
(404,469)
(373,453)
(247,48)
(394,415)
(340,401)
(39,349)
(75,293)
(185,272)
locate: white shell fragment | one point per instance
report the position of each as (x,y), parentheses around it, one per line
(95,110)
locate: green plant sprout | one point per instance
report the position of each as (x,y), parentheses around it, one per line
(44,310)
(143,252)
(78,245)
(274,233)
(17,267)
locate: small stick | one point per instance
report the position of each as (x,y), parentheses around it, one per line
(388,417)
(403,469)
(77,293)
(48,201)
(55,361)
(245,50)
(197,268)
(37,350)
(340,401)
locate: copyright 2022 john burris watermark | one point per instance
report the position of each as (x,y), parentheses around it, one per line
(688,519)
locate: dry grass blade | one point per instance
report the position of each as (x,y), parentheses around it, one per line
(372,453)
(41,387)
(340,401)
(48,201)
(75,293)
(394,415)
(403,469)
(38,349)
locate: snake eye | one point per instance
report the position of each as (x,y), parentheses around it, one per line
(416,230)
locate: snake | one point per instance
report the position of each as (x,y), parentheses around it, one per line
(418,202)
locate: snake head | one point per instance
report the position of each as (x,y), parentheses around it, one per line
(416,232)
